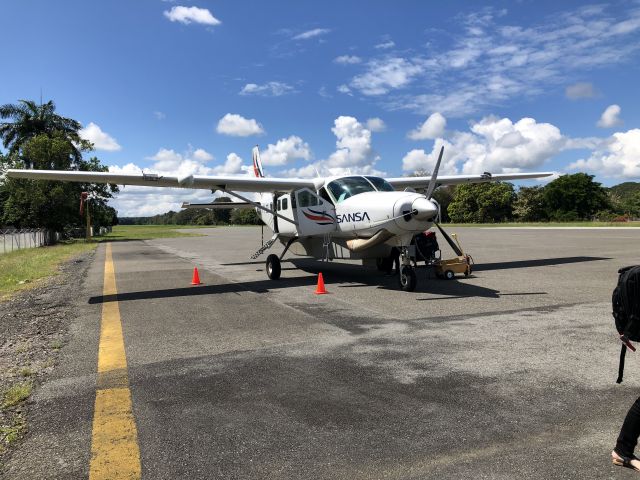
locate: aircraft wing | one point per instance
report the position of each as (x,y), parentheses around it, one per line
(237,183)
(423,182)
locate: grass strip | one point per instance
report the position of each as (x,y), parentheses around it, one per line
(148,232)
(23,269)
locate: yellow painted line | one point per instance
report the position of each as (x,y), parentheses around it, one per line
(114,442)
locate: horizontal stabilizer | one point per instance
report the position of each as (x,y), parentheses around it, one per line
(218,205)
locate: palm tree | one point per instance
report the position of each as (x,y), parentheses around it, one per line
(31,119)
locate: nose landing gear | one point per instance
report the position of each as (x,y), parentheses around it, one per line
(407,275)
(407,278)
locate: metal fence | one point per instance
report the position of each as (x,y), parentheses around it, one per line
(14,239)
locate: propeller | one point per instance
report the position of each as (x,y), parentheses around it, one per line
(421,208)
(449,240)
(434,175)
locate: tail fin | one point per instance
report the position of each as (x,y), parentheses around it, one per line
(257,164)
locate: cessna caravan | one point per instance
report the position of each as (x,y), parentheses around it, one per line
(355,217)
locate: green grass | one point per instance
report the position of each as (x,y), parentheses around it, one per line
(24,268)
(148,232)
(16,394)
(11,433)
(545,224)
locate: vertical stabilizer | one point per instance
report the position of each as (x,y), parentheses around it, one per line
(257,164)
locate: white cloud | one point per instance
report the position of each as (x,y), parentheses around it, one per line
(619,156)
(418,159)
(159,115)
(285,151)
(353,144)
(269,89)
(231,166)
(101,140)
(316,32)
(354,152)
(347,59)
(496,145)
(507,145)
(432,127)
(376,124)
(186,15)
(610,117)
(580,90)
(237,126)
(385,45)
(344,89)
(137,201)
(386,74)
(202,155)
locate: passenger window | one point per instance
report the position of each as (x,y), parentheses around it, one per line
(278,207)
(285,204)
(307,199)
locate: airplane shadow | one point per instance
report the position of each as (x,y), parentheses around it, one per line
(342,275)
(541,262)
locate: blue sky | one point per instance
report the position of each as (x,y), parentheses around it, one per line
(334,86)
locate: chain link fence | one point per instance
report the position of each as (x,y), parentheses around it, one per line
(14,239)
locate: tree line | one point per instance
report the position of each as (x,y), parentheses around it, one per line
(236,216)
(567,198)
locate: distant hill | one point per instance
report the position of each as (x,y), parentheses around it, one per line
(625,190)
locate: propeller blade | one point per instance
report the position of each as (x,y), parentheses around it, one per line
(449,240)
(434,175)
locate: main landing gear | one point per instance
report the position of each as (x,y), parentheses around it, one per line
(273,267)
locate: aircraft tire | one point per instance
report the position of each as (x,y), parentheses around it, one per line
(407,278)
(273,267)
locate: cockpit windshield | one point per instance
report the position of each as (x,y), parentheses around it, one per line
(343,188)
(381,184)
(346,187)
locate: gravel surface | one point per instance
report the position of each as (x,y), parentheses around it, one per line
(34,326)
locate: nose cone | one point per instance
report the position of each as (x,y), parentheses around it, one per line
(424,209)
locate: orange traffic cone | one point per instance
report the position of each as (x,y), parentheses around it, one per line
(196,277)
(320,290)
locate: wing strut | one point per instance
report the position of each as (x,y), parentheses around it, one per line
(257,205)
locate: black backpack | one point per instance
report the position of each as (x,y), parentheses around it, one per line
(626,310)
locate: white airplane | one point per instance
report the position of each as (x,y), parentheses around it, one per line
(355,217)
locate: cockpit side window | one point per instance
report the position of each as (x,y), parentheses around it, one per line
(325,195)
(343,188)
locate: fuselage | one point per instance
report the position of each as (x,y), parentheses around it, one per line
(350,207)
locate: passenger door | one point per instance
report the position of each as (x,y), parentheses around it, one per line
(315,216)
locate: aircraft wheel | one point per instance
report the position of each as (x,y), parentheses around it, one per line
(407,278)
(449,275)
(273,267)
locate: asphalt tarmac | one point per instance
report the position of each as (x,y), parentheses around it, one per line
(509,373)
